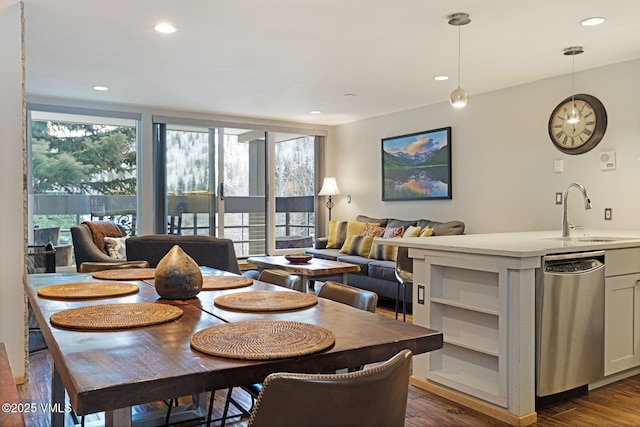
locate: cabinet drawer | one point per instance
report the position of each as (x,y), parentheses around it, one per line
(621,261)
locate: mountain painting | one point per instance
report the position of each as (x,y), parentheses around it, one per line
(417,166)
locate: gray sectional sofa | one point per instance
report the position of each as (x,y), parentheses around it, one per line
(378,275)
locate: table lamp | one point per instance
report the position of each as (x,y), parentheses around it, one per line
(329,188)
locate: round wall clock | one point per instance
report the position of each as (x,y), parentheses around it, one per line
(579,137)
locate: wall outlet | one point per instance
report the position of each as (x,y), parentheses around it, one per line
(421,294)
(558,198)
(608,212)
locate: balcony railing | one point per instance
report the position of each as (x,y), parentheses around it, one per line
(245,219)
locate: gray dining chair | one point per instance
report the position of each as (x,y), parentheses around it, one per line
(355,297)
(281,278)
(375,397)
(404,275)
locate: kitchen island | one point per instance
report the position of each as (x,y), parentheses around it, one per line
(480,291)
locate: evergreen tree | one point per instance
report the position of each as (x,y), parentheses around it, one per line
(75,158)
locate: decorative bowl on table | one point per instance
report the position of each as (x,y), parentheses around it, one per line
(298,258)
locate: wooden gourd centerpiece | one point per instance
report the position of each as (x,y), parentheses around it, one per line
(177,275)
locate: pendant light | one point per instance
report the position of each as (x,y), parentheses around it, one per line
(459,96)
(573,116)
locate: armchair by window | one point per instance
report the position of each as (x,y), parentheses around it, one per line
(88,241)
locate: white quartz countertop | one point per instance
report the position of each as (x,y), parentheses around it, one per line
(523,244)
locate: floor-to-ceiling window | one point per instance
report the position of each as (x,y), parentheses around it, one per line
(82,165)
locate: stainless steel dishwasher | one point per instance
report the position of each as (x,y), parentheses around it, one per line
(569,322)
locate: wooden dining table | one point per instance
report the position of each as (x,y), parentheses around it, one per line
(113,370)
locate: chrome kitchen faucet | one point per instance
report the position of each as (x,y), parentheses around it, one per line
(587,205)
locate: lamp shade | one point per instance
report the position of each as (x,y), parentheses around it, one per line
(329,187)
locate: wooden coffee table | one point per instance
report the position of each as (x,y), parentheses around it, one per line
(316,267)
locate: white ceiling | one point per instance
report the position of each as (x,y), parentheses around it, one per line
(280,59)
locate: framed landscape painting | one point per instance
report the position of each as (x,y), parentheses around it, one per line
(417,166)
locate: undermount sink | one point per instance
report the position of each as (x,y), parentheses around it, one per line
(594,239)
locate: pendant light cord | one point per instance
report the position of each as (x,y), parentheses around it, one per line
(459,55)
(573,80)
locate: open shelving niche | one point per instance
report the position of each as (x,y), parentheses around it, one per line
(468,303)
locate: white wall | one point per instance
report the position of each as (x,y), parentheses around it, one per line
(12,269)
(503,177)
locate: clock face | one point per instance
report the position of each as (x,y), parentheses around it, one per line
(580,137)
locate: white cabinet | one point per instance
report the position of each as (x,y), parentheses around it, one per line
(468,304)
(622,310)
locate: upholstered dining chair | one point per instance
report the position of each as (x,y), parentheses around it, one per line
(281,278)
(206,251)
(404,275)
(355,297)
(371,397)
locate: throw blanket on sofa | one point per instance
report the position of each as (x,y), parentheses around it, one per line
(102,229)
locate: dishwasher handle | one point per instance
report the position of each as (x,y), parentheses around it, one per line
(577,266)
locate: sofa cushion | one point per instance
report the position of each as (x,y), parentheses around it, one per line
(401,223)
(361,261)
(385,270)
(357,245)
(443,228)
(380,221)
(337,234)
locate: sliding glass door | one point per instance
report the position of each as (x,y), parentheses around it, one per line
(215,184)
(252,186)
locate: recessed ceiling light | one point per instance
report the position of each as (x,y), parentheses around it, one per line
(315,112)
(101,88)
(165,28)
(441,78)
(590,22)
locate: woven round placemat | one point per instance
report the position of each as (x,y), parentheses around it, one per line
(265,301)
(83,290)
(116,316)
(262,339)
(125,274)
(215,283)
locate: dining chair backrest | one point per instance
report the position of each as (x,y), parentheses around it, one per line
(90,267)
(355,297)
(404,265)
(281,278)
(371,397)
(206,251)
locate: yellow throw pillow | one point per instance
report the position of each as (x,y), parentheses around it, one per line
(357,245)
(411,231)
(426,232)
(355,228)
(337,234)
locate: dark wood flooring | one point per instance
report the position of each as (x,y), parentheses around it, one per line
(614,405)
